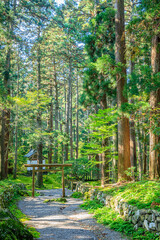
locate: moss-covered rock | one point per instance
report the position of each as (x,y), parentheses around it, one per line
(11,229)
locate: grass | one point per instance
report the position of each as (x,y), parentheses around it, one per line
(61,200)
(109,217)
(143,194)
(77,195)
(50,181)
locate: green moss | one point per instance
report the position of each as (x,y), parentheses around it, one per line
(21,216)
(92,205)
(143,194)
(109,217)
(77,195)
(61,200)
(12,229)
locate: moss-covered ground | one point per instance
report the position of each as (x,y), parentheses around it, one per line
(50,181)
(109,217)
(7,232)
(142,194)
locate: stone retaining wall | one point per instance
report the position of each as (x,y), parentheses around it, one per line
(146,218)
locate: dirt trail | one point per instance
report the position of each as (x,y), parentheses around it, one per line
(57,221)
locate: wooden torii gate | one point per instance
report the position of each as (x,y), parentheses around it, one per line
(38,166)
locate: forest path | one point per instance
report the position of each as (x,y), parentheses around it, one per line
(57,221)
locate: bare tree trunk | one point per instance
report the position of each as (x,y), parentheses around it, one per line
(5,120)
(56,113)
(39,121)
(50,152)
(114,163)
(16,123)
(61,129)
(145,154)
(140,151)
(105,160)
(77,119)
(154,101)
(70,108)
(123,124)
(66,124)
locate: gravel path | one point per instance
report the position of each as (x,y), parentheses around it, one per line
(57,221)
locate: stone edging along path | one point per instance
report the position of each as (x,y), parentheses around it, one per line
(146,218)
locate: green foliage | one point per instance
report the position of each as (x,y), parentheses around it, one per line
(13,230)
(21,216)
(50,181)
(101,126)
(77,195)
(92,205)
(109,217)
(80,167)
(143,194)
(61,200)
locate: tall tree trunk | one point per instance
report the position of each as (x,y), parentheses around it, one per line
(145,154)
(66,123)
(140,159)
(56,114)
(114,163)
(16,123)
(39,121)
(154,159)
(5,120)
(105,160)
(70,108)
(50,152)
(77,119)
(61,129)
(133,153)
(123,124)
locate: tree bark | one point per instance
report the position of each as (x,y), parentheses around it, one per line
(50,152)
(154,158)
(56,113)
(16,123)
(77,119)
(105,160)
(70,108)
(39,120)
(66,123)
(123,124)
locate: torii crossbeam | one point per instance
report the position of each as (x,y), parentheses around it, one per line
(47,170)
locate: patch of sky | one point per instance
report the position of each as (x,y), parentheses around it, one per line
(59,2)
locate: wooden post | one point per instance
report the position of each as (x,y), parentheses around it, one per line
(72,185)
(63,185)
(33,176)
(49,170)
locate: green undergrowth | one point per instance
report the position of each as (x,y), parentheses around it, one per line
(61,200)
(94,183)
(50,181)
(109,217)
(77,195)
(142,194)
(13,230)
(21,216)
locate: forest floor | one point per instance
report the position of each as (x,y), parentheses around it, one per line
(63,221)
